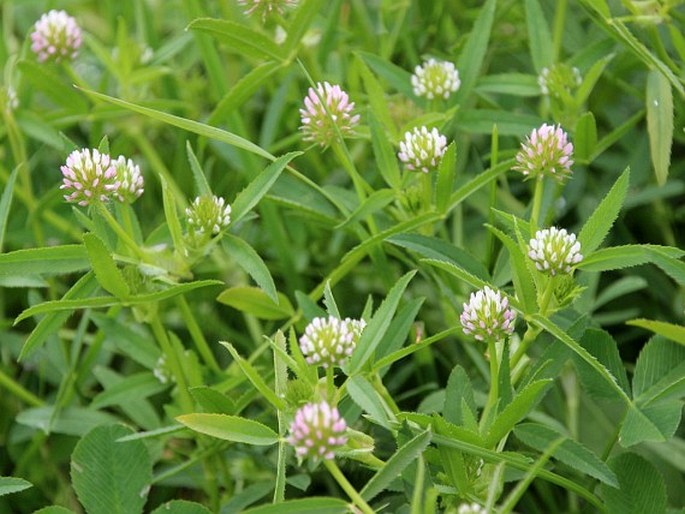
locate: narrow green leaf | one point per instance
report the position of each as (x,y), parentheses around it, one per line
(256,302)
(600,222)
(239,38)
(303,506)
(247,258)
(481,121)
(472,57)
(590,78)
(373,203)
(255,190)
(6,202)
(201,185)
(601,345)
(669,330)
(44,79)
(384,153)
(479,181)
(9,485)
(230,428)
(171,216)
(659,98)
(254,376)
(138,386)
(570,452)
(655,423)
(181,507)
(365,396)
(446,174)
(641,487)
(74,421)
(377,326)
(655,366)
(49,260)
(111,477)
(539,36)
(212,401)
(619,257)
(329,301)
(585,137)
(379,110)
(106,271)
(458,388)
(300,22)
(395,465)
(520,406)
(54,509)
(398,78)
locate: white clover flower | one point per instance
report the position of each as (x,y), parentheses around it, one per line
(266,7)
(208,215)
(330,341)
(130,179)
(487,315)
(319,125)
(554,251)
(435,79)
(89,176)
(317,431)
(546,151)
(422,150)
(471,508)
(56,37)
(560,77)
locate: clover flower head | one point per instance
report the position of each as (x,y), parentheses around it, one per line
(131,182)
(546,151)
(435,79)
(330,341)
(89,176)
(317,431)
(208,214)
(325,108)
(471,508)
(554,251)
(487,315)
(559,77)
(422,149)
(266,7)
(56,36)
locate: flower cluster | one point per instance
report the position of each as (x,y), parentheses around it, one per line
(326,108)
(487,315)
(90,176)
(317,431)
(329,341)
(208,215)
(471,508)
(56,36)
(554,250)
(546,151)
(266,7)
(559,78)
(435,79)
(422,149)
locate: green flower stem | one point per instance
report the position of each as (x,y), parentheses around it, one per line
(527,340)
(334,470)
(345,159)
(426,180)
(330,385)
(492,200)
(537,203)
(493,396)
(123,235)
(197,335)
(18,390)
(174,364)
(559,28)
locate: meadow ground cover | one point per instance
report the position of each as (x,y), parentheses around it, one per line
(289,256)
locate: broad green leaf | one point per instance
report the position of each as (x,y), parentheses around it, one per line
(201,185)
(659,98)
(256,302)
(657,422)
(395,465)
(106,271)
(49,260)
(373,203)
(133,402)
(255,190)
(128,339)
(230,428)
(9,485)
(570,452)
(641,487)
(247,258)
(181,507)
(212,401)
(458,388)
(446,174)
(138,386)
(377,326)
(619,257)
(562,336)
(303,506)
(54,509)
(599,223)
(585,137)
(253,376)
(70,421)
(659,372)
(186,124)
(386,159)
(670,331)
(621,287)
(6,202)
(239,38)
(110,477)
(603,347)
(539,36)
(49,324)
(521,405)
(363,394)
(472,57)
